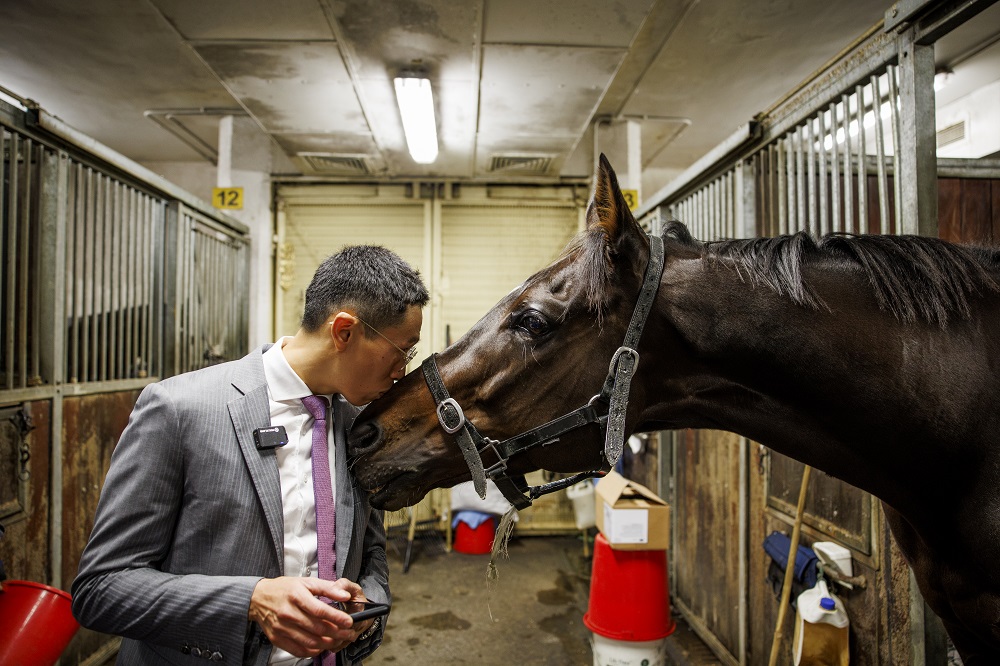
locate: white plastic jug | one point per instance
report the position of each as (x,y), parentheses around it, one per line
(821,628)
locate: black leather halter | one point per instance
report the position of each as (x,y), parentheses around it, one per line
(608,409)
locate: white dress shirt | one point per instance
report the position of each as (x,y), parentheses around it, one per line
(285,391)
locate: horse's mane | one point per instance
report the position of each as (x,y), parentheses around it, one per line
(913,277)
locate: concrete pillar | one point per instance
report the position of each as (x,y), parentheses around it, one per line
(224,170)
(633,134)
(245,161)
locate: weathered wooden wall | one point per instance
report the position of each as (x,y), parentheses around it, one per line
(969,210)
(24,548)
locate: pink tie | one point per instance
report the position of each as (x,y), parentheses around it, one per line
(323,492)
(322,489)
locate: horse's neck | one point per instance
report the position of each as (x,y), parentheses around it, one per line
(853,391)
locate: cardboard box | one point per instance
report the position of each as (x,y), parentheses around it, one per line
(631,516)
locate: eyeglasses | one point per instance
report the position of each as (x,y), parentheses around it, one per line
(408,355)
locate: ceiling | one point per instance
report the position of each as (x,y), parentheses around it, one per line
(518,84)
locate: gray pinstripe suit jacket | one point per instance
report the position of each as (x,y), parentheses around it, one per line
(190,519)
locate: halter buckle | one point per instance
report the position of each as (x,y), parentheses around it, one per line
(450,402)
(624,351)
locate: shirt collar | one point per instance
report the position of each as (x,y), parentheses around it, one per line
(282,382)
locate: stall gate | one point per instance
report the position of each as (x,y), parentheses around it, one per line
(109,281)
(852,150)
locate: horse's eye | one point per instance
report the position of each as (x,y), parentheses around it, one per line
(533,323)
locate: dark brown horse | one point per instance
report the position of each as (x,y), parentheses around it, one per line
(873,358)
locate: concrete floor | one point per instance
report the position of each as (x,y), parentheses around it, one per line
(444,612)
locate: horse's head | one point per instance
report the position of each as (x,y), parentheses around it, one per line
(543,349)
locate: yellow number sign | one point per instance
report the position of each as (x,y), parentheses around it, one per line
(631,198)
(228,197)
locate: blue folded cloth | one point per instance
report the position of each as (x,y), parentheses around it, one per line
(777,544)
(471,518)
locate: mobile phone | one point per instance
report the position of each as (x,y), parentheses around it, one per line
(361,610)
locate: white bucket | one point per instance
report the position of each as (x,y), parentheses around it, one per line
(584,504)
(611,652)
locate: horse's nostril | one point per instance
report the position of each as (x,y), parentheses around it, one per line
(365,438)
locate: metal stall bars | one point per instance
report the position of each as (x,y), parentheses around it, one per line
(114,234)
(831,170)
(809,175)
(212,265)
(82,250)
(103,262)
(20,353)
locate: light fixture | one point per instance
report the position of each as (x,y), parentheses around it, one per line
(416,108)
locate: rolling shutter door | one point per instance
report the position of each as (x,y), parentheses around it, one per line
(486,251)
(315,231)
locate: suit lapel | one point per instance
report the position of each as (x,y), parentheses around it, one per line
(343,418)
(249,412)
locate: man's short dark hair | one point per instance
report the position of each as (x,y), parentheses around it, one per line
(374,282)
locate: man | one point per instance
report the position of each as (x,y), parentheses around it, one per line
(205,542)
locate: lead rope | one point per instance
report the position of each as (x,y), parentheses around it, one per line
(504,531)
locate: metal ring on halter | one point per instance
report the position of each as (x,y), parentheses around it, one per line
(623,350)
(458,408)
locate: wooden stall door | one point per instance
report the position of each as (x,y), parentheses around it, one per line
(91,427)
(706,554)
(25,432)
(834,511)
(969,210)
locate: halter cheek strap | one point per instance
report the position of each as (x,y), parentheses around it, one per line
(452,419)
(607,409)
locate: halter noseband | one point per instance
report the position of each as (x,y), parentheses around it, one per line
(608,408)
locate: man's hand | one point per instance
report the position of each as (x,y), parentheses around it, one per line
(295,620)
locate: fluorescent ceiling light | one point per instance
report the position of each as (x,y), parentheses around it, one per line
(416,107)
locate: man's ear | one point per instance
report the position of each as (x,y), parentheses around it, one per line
(343,327)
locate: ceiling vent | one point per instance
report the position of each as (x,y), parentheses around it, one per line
(534,165)
(334,164)
(951,134)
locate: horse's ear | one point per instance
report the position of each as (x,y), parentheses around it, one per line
(609,212)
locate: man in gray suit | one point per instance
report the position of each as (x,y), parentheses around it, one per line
(204,546)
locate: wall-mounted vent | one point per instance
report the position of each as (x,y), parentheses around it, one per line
(336,164)
(521,164)
(951,134)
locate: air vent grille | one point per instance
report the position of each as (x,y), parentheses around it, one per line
(521,164)
(951,134)
(341,165)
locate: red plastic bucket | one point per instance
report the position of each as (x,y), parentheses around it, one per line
(629,594)
(475,541)
(36,623)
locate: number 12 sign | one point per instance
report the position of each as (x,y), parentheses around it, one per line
(228,197)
